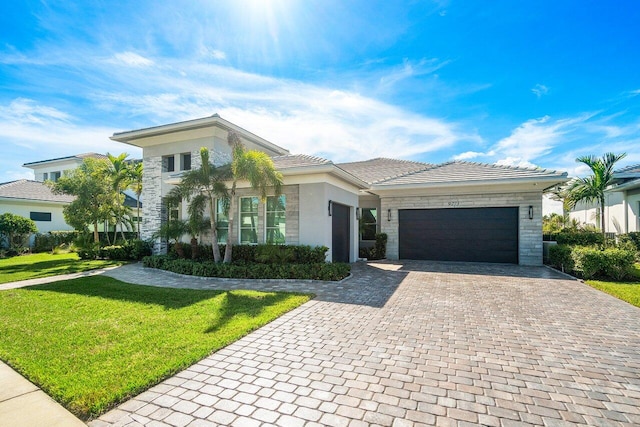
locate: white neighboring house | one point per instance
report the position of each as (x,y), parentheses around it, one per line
(34,199)
(457,211)
(622,204)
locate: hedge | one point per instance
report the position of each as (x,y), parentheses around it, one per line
(589,262)
(46,242)
(266,254)
(131,250)
(250,270)
(579,237)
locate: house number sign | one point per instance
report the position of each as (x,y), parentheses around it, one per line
(453,203)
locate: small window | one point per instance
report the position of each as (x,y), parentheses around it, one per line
(40,216)
(174,213)
(55,176)
(185,161)
(222,220)
(45,176)
(276,219)
(368,223)
(168,164)
(248,220)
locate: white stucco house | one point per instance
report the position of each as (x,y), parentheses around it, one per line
(622,204)
(457,211)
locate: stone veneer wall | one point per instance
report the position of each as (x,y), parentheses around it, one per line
(530,230)
(153,210)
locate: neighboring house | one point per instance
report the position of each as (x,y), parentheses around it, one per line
(456,211)
(622,204)
(33,199)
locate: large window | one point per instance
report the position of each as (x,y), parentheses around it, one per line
(222,220)
(40,216)
(369,223)
(248,220)
(55,176)
(276,219)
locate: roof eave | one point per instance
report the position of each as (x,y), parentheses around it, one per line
(548,181)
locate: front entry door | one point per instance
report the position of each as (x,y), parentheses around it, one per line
(341,240)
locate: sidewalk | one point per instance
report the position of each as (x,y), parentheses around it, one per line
(22,404)
(51,279)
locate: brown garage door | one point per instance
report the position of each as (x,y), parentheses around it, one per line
(463,234)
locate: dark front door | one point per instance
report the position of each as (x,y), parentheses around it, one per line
(463,234)
(341,240)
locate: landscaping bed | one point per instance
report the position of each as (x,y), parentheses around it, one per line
(93,342)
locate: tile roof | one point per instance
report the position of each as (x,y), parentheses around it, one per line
(32,190)
(633,169)
(381,169)
(298,161)
(459,171)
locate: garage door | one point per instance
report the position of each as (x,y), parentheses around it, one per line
(463,234)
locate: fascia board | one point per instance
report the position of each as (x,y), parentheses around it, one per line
(548,181)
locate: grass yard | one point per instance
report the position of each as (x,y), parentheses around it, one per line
(44,265)
(626,291)
(93,342)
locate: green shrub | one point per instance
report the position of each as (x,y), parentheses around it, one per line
(127,251)
(612,262)
(263,253)
(560,257)
(250,270)
(632,238)
(618,263)
(579,238)
(45,242)
(588,261)
(15,231)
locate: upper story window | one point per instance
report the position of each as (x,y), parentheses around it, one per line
(168,163)
(369,223)
(54,176)
(276,219)
(248,220)
(45,176)
(185,161)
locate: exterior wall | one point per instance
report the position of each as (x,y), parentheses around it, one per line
(633,210)
(315,222)
(530,230)
(153,210)
(23,208)
(621,212)
(61,166)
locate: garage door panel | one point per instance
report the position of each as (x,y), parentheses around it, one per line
(464,234)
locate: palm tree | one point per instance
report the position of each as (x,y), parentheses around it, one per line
(120,174)
(591,188)
(255,167)
(200,187)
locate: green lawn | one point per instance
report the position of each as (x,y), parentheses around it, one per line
(44,265)
(93,342)
(626,291)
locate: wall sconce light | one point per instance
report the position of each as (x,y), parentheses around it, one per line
(330,207)
(358,214)
(388,214)
(530,212)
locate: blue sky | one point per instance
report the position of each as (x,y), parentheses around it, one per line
(509,82)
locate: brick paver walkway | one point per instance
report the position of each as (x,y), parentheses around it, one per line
(413,344)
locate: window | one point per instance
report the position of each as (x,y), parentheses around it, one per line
(368,223)
(222,221)
(174,213)
(185,161)
(55,176)
(40,216)
(276,219)
(168,164)
(45,176)
(248,220)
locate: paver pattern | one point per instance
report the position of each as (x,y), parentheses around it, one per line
(411,344)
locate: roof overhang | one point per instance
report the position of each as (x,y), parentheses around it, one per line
(629,185)
(535,183)
(136,137)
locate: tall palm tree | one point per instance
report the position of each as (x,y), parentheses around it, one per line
(200,187)
(591,188)
(255,167)
(120,174)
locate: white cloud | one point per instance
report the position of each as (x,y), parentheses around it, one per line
(131,59)
(218,54)
(516,162)
(468,155)
(540,90)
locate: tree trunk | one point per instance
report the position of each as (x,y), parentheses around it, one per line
(602,222)
(194,248)
(228,252)
(138,217)
(214,233)
(96,236)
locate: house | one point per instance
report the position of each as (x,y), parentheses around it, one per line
(34,199)
(457,211)
(622,204)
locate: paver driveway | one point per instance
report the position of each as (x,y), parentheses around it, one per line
(412,344)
